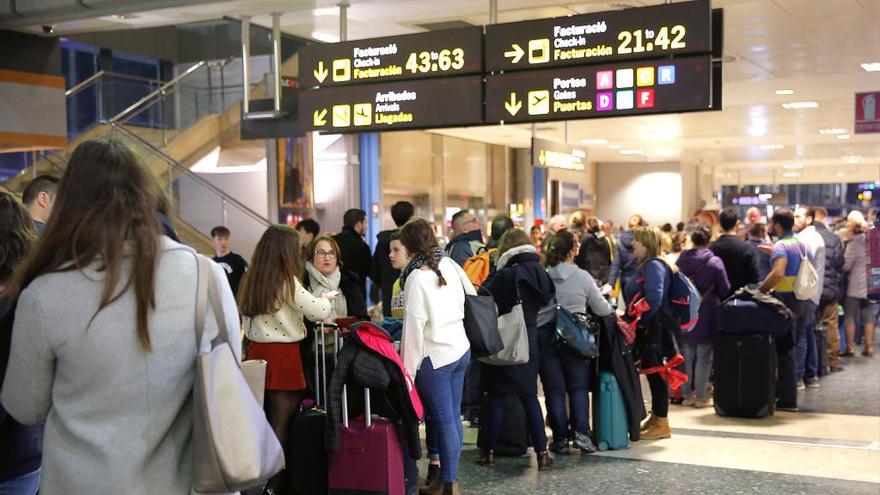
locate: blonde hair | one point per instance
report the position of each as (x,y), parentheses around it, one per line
(666,243)
(650,237)
(636,221)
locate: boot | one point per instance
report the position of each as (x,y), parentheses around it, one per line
(648,422)
(544,461)
(450,489)
(657,431)
(487,458)
(433,488)
(433,474)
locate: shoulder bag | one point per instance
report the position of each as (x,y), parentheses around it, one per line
(481,323)
(234,447)
(514,336)
(578,331)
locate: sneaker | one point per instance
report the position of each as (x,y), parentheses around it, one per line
(676,401)
(559,446)
(689,402)
(837,368)
(703,403)
(812,382)
(784,408)
(582,441)
(801,385)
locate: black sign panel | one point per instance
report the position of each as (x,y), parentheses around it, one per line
(659,31)
(557,155)
(414,56)
(591,91)
(386,107)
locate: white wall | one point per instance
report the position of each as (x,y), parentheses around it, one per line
(653,190)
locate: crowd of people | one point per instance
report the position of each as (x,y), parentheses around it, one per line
(98,301)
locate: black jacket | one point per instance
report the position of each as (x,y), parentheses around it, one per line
(625,266)
(359,366)
(740,260)
(595,257)
(615,356)
(833,285)
(355,256)
(383,273)
(537,290)
(21,447)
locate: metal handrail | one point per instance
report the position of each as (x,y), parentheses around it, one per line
(160,90)
(102,73)
(189,173)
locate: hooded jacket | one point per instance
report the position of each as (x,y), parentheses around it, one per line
(625,266)
(518,268)
(365,361)
(594,256)
(707,272)
(382,272)
(576,289)
(833,284)
(463,246)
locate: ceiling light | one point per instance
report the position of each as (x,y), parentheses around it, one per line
(594,141)
(767,147)
(632,152)
(843,136)
(840,174)
(798,105)
(829,132)
(851,158)
(791,174)
(615,146)
(792,166)
(782,92)
(757,129)
(326,38)
(871,66)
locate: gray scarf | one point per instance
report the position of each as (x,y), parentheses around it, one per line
(319,285)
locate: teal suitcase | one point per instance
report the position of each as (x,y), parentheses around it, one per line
(610,414)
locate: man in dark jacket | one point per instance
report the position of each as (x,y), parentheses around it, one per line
(594,255)
(832,287)
(624,268)
(467,237)
(739,256)
(355,254)
(382,272)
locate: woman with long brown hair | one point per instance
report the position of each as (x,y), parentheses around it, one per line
(103,346)
(273,302)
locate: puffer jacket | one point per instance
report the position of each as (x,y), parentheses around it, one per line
(833,286)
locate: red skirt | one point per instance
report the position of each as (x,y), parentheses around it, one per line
(284,370)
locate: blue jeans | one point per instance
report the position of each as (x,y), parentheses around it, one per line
(441,390)
(23,485)
(493,416)
(562,371)
(807,354)
(698,363)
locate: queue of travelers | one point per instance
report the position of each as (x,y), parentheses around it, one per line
(102,232)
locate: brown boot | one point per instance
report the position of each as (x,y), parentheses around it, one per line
(648,422)
(450,489)
(544,461)
(657,431)
(487,458)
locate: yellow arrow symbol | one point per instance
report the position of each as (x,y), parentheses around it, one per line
(516,54)
(319,118)
(513,105)
(542,157)
(321,72)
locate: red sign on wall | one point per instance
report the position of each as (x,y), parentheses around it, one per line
(867,112)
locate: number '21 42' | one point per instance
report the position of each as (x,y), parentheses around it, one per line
(661,41)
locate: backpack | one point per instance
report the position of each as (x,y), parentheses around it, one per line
(806,283)
(479,266)
(683,299)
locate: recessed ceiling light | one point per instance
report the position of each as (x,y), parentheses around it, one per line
(791,174)
(767,147)
(840,174)
(851,158)
(632,152)
(792,166)
(594,141)
(832,131)
(782,92)
(843,136)
(327,38)
(757,129)
(615,146)
(871,66)
(798,105)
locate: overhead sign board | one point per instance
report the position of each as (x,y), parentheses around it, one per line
(777,199)
(414,56)
(659,31)
(554,154)
(390,106)
(867,112)
(592,91)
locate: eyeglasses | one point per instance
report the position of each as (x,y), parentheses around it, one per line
(324,254)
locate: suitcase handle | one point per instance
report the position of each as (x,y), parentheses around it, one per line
(368,417)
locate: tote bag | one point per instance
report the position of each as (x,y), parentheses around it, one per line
(514,336)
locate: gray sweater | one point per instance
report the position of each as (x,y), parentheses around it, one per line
(855,258)
(576,289)
(118,419)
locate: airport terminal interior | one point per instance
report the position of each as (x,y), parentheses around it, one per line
(345,151)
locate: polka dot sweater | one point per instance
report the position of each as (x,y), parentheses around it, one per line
(286,324)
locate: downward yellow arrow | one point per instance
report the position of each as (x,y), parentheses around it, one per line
(513,105)
(319,118)
(516,54)
(321,72)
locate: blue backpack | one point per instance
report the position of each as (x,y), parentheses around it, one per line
(684,300)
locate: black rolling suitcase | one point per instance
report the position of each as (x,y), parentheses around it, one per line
(745,375)
(514,440)
(307,463)
(822,350)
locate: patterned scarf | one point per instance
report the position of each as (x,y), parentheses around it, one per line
(419,261)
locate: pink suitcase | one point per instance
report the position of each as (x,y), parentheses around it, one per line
(370,459)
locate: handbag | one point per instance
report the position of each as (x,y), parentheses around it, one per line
(481,324)
(234,446)
(578,331)
(514,336)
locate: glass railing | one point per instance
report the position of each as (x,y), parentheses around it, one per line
(97,99)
